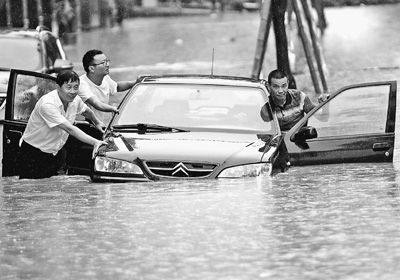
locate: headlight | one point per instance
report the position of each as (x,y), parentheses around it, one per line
(249,170)
(110,165)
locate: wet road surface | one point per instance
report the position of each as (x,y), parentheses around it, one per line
(318,222)
(341,225)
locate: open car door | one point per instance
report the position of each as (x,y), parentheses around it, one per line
(24,90)
(356,124)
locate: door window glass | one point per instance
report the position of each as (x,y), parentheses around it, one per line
(28,90)
(361,110)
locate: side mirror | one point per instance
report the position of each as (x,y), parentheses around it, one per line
(61,64)
(306,132)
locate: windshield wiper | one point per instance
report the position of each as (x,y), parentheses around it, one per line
(142,128)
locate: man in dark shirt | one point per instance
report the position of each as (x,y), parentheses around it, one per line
(290,105)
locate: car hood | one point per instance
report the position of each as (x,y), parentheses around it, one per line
(187,146)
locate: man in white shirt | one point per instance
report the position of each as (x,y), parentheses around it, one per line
(50,124)
(97,86)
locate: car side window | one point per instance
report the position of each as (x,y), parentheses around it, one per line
(360,110)
(28,90)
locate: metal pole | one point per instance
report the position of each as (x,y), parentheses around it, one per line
(262,39)
(54,22)
(307,46)
(78,16)
(278,10)
(8,10)
(40,12)
(316,46)
(25,13)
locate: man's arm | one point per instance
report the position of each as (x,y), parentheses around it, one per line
(79,134)
(101,106)
(124,85)
(308,105)
(323,113)
(88,114)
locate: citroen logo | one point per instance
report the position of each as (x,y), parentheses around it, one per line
(180,168)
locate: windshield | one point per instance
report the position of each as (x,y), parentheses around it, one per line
(192,106)
(20,53)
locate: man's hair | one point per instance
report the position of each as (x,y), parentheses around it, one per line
(276,74)
(88,58)
(67,76)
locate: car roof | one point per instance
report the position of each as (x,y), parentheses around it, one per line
(19,33)
(203,79)
(24,33)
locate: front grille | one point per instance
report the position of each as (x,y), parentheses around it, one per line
(180,169)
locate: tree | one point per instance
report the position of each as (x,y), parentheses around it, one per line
(278,10)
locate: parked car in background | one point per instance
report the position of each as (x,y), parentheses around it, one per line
(35,50)
(252,5)
(200,127)
(29,49)
(247,5)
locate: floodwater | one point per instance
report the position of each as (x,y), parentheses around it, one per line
(340,222)
(318,222)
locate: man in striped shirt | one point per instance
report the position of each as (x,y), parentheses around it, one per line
(290,105)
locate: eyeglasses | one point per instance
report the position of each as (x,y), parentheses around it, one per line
(105,62)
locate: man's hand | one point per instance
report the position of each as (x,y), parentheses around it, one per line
(323,97)
(115,110)
(100,126)
(96,147)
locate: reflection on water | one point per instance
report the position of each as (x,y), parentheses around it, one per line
(298,225)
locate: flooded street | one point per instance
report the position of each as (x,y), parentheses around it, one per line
(319,222)
(343,224)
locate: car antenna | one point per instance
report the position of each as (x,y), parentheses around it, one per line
(212,62)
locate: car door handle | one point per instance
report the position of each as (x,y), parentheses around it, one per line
(16,131)
(380,147)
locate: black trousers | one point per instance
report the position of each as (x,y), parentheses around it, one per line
(35,164)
